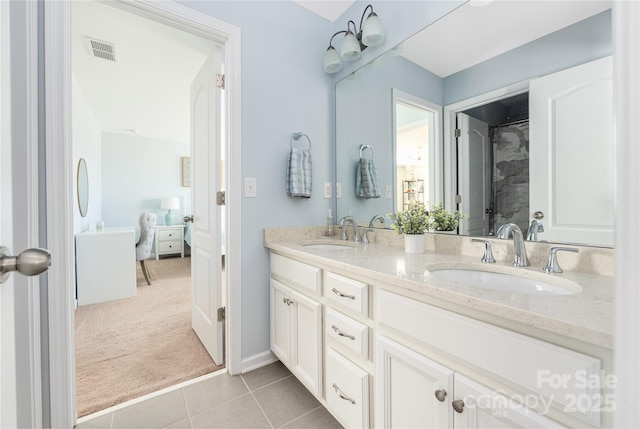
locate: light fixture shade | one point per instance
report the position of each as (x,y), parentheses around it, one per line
(350,49)
(170,203)
(372,31)
(332,63)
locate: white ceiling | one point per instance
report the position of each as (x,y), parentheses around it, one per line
(147,89)
(472,34)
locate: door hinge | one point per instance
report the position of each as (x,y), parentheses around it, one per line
(220,81)
(220,198)
(458,199)
(221,314)
(458,133)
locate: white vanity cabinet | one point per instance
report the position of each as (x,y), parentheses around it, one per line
(296,325)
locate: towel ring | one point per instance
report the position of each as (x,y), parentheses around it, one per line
(296,136)
(366,146)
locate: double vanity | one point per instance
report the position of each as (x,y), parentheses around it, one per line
(384,338)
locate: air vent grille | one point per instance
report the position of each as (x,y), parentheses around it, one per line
(101,49)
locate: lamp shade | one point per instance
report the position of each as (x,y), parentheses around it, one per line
(332,63)
(372,31)
(170,203)
(350,49)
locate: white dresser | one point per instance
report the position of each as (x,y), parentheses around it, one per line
(169,240)
(105,265)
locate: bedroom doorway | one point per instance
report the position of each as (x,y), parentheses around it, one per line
(119,146)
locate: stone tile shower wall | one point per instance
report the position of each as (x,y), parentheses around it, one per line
(511,175)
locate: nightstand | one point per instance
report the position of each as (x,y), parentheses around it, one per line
(169,240)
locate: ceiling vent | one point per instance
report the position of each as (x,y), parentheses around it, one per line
(101,49)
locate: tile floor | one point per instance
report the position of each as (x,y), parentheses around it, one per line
(269,397)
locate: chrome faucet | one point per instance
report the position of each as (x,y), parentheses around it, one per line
(519,252)
(342,225)
(376,219)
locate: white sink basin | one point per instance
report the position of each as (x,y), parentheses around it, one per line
(508,282)
(328,246)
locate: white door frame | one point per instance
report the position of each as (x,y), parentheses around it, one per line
(57,34)
(450,111)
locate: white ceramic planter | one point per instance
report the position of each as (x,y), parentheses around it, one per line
(414,243)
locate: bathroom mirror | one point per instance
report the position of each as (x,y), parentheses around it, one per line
(366,106)
(83,187)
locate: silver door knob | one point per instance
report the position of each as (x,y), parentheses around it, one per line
(30,262)
(458,406)
(441,394)
(188,218)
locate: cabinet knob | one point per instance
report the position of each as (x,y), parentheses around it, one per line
(441,394)
(458,405)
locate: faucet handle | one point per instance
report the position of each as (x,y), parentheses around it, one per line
(365,239)
(488,251)
(343,235)
(552,264)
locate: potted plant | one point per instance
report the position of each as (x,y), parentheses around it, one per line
(411,223)
(444,220)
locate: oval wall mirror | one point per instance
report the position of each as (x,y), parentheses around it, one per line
(83,187)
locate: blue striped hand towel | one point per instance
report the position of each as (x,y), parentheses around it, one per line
(299,173)
(367,179)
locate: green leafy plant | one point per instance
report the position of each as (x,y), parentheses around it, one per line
(444,220)
(415,220)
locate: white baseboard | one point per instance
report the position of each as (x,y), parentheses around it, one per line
(257,361)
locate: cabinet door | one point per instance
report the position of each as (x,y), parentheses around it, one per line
(280,321)
(306,357)
(482,407)
(408,384)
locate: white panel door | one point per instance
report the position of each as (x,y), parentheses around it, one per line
(280,321)
(306,359)
(483,408)
(571,153)
(8,404)
(206,259)
(474,174)
(413,391)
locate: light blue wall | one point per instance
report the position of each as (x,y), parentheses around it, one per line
(137,172)
(364,116)
(86,144)
(582,42)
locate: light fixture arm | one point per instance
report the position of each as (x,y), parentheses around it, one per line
(331,40)
(362,19)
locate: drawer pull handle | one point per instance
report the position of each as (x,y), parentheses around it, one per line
(441,394)
(340,294)
(287,301)
(342,395)
(342,334)
(458,405)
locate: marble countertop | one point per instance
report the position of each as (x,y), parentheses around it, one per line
(586,316)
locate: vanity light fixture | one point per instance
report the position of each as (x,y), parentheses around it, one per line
(354,42)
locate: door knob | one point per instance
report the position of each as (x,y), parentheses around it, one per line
(30,262)
(188,218)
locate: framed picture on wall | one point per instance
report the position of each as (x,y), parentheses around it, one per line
(186,172)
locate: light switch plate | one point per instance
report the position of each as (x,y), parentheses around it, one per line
(389,192)
(327,189)
(338,190)
(250,190)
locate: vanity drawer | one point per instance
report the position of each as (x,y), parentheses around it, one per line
(347,390)
(347,292)
(521,361)
(298,273)
(348,332)
(169,234)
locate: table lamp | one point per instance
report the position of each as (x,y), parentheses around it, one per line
(170,204)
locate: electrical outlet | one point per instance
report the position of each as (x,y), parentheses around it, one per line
(250,190)
(338,190)
(327,189)
(389,196)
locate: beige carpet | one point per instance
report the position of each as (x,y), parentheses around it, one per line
(130,347)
